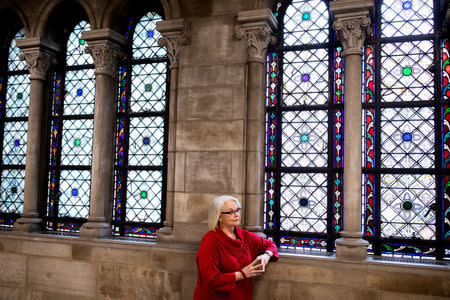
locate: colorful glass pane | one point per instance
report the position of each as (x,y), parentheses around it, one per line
(405,74)
(446,208)
(368,77)
(305,139)
(338,119)
(271,134)
(70,205)
(14,62)
(291,242)
(11,191)
(75,80)
(297,64)
(407,137)
(445,69)
(15,143)
(400,18)
(368,207)
(338,75)
(76,56)
(270,201)
(145,46)
(407,251)
(368,138)
(18,95)
(141,232)
(150,154)
(338,189)
(272,79)
(153,99)
(306,22)
(146,209)
(298,215)
(406,201)
(73,152)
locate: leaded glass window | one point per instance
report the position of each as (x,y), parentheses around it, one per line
(404,132)
(304,105)
(71,131)
(141,145)
(14,100)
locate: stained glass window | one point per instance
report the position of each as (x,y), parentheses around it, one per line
(14,99)
(303,207)
(404,105)
(142,116)
(71,132)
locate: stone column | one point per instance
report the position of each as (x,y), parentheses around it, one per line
(255,27)
(105,47)
(352,25)
(173,39)
(38,55)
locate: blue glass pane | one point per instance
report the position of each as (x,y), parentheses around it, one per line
(75,104)
(306,22)
(11,191)
(14,63)
(146,141)
(70,205)
(406,17)
(15,143)
(77,142)
(76,45)
(303,203)
(407,137)
(145,38)
(148,88)
(18,96)
(144,192)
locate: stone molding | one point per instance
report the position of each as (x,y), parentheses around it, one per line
(39,54)
(173,39)
(105,47)
(352,33)
(256,27)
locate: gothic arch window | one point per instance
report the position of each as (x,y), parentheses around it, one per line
(303,207)
(14,100)
(71,131)
(141,144)
(405,125)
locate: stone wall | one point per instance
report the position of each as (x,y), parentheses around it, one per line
(38,267)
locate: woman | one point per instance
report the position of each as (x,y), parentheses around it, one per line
(230,256)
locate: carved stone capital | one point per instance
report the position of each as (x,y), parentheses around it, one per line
(352,32)
(256,27)
(106,57)
(38,62)
(256,40)
(38,54)
(173,45)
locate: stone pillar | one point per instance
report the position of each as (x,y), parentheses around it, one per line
(352,24)
(105,47)
(173,39)
(39,55)
(255,27)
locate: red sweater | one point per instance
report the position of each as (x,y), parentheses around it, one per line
(219,257)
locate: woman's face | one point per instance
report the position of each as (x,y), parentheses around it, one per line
(230,220)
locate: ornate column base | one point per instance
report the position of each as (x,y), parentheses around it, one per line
(28,223)
(95,229)
(351,246)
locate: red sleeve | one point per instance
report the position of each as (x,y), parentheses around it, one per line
(259,245)
(208,267)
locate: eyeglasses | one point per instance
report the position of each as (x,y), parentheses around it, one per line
(231,212)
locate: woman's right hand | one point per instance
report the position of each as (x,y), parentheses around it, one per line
(255,268)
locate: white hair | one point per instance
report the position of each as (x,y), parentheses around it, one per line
(216,208)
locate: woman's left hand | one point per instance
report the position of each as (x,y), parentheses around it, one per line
(264,258)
